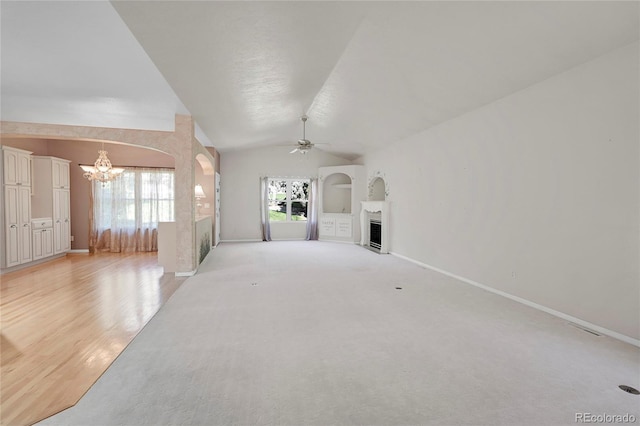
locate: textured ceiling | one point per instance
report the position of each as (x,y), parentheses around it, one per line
(366,73)
(77,63)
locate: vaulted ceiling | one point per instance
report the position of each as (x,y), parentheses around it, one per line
(366,73)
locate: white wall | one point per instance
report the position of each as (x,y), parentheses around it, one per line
(536,195)
(240,188)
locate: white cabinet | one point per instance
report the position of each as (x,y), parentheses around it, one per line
(51,198)
(17,167)
(344,227)
(340,190)
(17,219)
(336,225)
(60,170)
(61,221)
(16,211)
(327,226)
(34,186)
(42,243)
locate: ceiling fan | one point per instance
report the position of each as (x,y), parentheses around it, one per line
(304,145)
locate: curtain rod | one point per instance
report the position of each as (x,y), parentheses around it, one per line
(288,177)
(135,167)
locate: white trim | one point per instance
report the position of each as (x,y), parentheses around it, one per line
(288,239)
(79,251)
(287,222)
(338,241)
(526,302)
(186,274)
(32,263)
(241,241)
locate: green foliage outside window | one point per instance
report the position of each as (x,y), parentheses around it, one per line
(288,199)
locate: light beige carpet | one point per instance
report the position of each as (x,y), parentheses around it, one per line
(296,333)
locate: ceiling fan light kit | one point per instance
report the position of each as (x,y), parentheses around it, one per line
(304,145)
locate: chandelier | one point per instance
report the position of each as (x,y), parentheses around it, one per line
(102,171)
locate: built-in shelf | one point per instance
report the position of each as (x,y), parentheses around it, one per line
(341,188)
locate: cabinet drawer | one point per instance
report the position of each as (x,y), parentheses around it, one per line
(41,223)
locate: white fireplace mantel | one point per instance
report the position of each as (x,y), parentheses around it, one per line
(369,207)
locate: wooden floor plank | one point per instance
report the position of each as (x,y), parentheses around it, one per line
(64,322)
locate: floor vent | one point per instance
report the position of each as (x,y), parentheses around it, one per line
(595,333)
(629,389)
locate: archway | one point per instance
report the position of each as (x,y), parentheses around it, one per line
(181,144)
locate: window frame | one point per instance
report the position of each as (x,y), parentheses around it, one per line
(288,201)
(136,188)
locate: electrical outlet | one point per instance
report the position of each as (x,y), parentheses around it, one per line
(207,205)
(72,238)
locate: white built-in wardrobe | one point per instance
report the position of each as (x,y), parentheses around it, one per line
(36,207)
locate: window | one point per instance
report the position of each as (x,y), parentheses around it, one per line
(288,199)
(138,199)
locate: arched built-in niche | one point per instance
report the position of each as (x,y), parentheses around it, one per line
(336,195)
(377,189)
(204,174)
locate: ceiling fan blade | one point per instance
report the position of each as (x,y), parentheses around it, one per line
(295,150)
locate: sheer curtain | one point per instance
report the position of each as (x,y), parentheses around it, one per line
(264,209)
(126,211)
(312,211)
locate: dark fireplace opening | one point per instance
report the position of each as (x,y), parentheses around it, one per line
(375,234)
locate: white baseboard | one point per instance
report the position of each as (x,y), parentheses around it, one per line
(526,302)
(241,241)
(329,240)
(79,251)
(186,274)
(33,263)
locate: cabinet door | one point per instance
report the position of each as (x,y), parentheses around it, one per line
(12,231)
(24,169)
(42,243)
(57,222)
(37,244)
(56,177)
(17,168)
(343,227)
(11,165)
(61,221)
(17,204)
(24,210)
(24,204)
(66,220)
(47,242)
(60,170)
(327,227)
(64,175)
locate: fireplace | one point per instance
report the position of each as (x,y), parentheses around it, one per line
(375,234)
(374,222)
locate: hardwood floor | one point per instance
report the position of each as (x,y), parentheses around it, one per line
(65,321)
